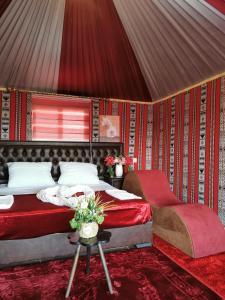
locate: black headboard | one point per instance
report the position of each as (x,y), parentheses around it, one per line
(55,152)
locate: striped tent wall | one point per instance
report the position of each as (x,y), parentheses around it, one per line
(15,116)
(188,144)
(184,136)
(136,128)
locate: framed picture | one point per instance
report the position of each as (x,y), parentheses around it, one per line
(109,127)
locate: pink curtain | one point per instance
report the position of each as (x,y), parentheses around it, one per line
(96,56)
(59,118)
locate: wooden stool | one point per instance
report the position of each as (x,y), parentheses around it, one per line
(103,237)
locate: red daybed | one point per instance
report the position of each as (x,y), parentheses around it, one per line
(193,228)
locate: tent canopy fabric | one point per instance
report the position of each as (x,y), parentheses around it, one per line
(140,50)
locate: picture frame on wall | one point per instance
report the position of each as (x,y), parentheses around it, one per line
(109,128)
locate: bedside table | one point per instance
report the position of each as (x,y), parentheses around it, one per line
(116,182)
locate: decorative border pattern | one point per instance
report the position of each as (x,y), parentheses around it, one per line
(132,129)
(221,195)
(149,141)
(29,118)
(95,121)
(201,188)
(5,116)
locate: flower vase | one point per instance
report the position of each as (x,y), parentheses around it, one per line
(88,230)
(119,170)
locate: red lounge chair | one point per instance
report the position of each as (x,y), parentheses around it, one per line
(193,228)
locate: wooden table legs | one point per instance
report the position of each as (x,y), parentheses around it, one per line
(105,268)
(75,261)
(88,259)
(73,271)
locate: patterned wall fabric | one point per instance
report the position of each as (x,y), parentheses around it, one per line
(189,144)
(15,116)
(184,136)
(136,128)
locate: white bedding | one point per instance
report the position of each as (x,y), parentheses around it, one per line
(121,194)
(4,190)
(6,201)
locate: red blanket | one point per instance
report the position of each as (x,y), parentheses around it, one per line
(30,217)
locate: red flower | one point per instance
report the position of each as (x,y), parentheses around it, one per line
(129,160)
(109,160)
(112,160)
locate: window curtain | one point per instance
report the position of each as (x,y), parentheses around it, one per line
(57,118)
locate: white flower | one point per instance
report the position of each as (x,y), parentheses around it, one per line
(83,204)
(72,202)
(106,122)
(111,132)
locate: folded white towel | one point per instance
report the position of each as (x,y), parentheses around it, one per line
(121,194)
(6,201)
(66,191)
(62,195)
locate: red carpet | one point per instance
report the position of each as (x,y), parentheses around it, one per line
(136,274)
(209,270)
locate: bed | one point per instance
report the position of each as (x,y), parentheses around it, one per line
(32,230)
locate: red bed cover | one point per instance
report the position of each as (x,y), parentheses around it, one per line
(30,217)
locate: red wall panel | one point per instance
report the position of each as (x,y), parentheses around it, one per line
(193,144)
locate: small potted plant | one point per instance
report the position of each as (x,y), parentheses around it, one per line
(118,162)
(88,215)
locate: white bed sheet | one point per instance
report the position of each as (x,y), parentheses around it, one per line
(5,190)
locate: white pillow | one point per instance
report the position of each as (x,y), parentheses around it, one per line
(73,173)
(30,174)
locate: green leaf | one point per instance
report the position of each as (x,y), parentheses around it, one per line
(73,224)
(100,219)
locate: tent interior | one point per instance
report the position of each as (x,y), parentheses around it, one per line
(140,81)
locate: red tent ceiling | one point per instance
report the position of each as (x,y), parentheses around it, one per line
(130,49)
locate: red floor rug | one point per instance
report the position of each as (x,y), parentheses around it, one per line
(136,274)
(209,270)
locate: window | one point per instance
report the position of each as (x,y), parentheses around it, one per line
(57,118)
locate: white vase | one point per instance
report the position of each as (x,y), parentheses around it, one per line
(88,230)
(119,170)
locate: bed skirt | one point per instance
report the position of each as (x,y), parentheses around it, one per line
(53,246)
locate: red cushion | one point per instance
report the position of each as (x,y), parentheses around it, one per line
(205,229)
(156,188)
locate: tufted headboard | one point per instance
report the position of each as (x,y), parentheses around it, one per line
(55,152)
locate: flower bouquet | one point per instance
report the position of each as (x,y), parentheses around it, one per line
(89,213)
(120,160)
